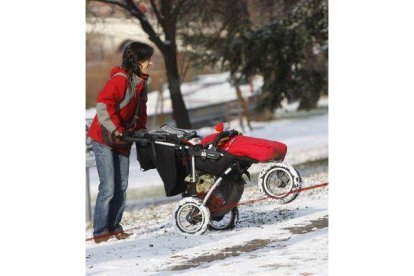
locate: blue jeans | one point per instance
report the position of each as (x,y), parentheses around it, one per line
(113,171)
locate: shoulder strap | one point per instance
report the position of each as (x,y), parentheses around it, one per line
(142,94)
(137,114)
(120,74)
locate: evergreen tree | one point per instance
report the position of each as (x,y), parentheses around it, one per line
(290,53)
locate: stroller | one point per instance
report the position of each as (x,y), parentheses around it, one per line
(209,173)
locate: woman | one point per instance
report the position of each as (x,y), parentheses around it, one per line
(120,108)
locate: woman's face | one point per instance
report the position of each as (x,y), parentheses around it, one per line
(145,66)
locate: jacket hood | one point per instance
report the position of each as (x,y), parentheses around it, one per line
(135,79)
(117,69)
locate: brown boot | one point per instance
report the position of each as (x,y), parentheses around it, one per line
(102,238)
(122,235)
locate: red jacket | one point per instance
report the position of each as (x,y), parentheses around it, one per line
(117,104)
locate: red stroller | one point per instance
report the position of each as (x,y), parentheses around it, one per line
(208,173)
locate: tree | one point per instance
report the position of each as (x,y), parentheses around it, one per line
(282,50)
(215,37)
(166,13)
(290,54)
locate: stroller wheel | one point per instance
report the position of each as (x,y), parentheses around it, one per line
(280,181)
(191,216)
(225,222)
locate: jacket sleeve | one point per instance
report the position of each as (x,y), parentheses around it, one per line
(108,98)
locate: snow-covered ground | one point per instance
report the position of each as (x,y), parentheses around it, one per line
(206,90)
(269,239)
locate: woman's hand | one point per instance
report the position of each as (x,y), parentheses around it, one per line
(117,134)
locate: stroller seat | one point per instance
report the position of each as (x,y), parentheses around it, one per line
(181,133)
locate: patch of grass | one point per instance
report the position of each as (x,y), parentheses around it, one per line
(145,192)
(140,193)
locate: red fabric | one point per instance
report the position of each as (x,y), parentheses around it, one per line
(111,95)
(219,127)
(260,149)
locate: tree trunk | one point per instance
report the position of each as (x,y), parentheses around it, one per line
(243,104)
(180,113)
(166,17)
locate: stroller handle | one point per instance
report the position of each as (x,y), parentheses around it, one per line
(144,137)
(141,137)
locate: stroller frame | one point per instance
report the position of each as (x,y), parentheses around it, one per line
(181,141)
(193,169)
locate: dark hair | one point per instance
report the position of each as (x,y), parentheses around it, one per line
(134,53)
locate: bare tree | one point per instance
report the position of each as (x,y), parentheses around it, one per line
(242,103)
(166,13)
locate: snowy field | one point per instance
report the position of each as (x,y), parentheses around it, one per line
(269,239)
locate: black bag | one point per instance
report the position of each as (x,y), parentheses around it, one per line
(218,166)
(167,162)
(145,156)
(215,167)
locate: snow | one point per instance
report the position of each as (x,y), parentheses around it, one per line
(269,239)
(206,90)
